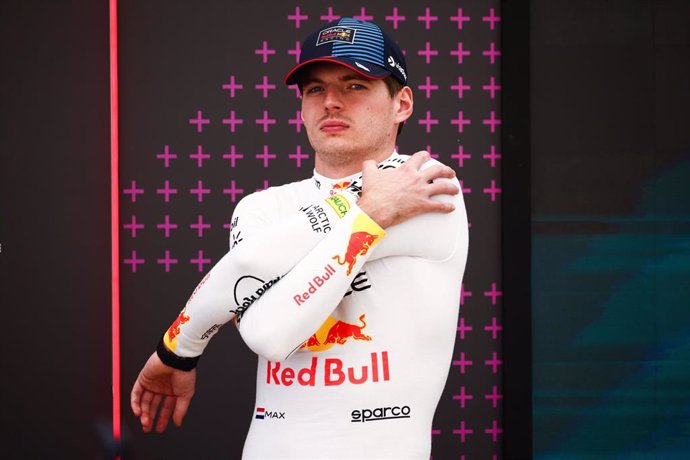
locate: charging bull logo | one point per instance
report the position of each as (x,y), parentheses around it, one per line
(334,331)
(359,244)
(170,337)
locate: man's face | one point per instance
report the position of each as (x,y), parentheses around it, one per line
(348,117)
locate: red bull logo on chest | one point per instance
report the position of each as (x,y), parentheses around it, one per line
(330,372)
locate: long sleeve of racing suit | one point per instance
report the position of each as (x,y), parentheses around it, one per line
(298,256)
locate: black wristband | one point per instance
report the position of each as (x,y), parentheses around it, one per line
(171,359)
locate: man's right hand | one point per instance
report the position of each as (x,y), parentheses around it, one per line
(158,383)
(391,196)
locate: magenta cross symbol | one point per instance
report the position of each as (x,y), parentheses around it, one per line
(232,156)
(266,156)
(427,18)
(460,87)
(462,362)
(295,51)
(133,226)
(232,86)
(463,431)
(233,191)
(460,19)
(494,431)
(460,53)
(200,261)
(461,156)
(265,51)
(200,226)
(493,293)
(362,16)
(232,121)
(460,121)
(297,17)
(428,122)
(428,149)
(493,190)
(427,52)
(463,396)
(395,18)
(492,19)
(200,191)
(298,156)
(494,362)
(494,328)
(265,121)
(134,261)
(199,156)
(492,52)
(166,156)
(133,191)
(329,16)
(492,121)
(265,86)
(199,121)
(493,156)
(166,191)
(494,396)
(492,87)
(427,87)
(167,226)
(167,261)
(297,121)
(462,328)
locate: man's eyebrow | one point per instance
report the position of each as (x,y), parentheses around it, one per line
(346,77)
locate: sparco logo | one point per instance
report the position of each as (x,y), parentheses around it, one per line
(380,413)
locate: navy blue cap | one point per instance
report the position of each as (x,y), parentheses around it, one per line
(360,45)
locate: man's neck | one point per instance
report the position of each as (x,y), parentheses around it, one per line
(336,171)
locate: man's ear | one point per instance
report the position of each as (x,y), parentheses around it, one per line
(404,104)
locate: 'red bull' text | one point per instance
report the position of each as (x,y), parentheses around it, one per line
(314,285)
(334,371)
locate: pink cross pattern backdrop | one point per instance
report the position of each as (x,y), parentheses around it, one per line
(219,124)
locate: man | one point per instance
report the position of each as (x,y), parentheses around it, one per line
(345,284)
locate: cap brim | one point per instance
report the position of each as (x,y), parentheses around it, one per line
(375,72)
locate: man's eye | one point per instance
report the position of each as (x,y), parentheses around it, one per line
(357,86)
(314,89)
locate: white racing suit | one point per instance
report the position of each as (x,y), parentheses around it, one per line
(354,326)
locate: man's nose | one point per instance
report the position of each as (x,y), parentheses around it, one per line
(333,100)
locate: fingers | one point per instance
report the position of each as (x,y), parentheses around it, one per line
(146,419)
(442,188)
(181,406)
(135,398)
(165,413)
(417,160)
(438,172)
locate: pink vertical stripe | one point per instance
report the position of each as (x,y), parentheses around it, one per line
(115,222)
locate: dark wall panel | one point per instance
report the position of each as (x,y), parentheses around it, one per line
(54,228)
(610,169)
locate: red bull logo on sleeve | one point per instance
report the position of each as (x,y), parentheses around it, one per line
(365,234)
(170,337)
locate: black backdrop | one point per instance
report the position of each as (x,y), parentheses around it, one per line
(177,62)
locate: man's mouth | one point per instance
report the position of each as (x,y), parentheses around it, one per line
(333,126)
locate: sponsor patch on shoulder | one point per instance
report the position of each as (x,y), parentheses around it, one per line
(336,34)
